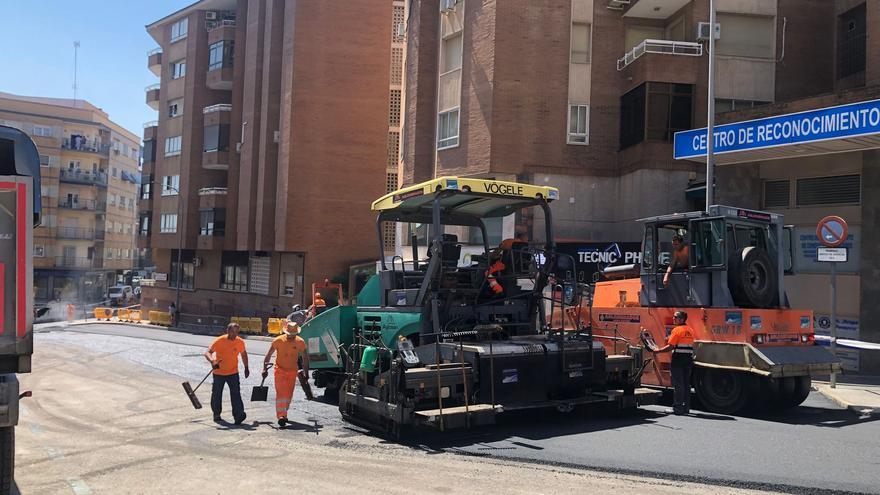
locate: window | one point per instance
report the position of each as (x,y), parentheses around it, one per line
(130,203)
(841,189)
(112,199)
(447,129)
(42,131)
(394,108)
(175,108)
(234,271)
(172,146)
(170,185)
(451,53)
(578,124)
(708,243)
(178,69)
(39,250)
(146,190)
(220,54)
(580,43)
(655,111)
(108,253)
(149,150)
(746,36)
(44,160)
(178,29)
(168,223)
(113,172)
(145,225)
(288,284)
(648,249)
(212,222)
(186,269)
(851,42)
(216,138)
(777,193)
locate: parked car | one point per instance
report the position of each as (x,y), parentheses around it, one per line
(121,294)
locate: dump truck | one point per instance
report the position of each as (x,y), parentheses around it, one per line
(449,339)
(19,214)
(753,351)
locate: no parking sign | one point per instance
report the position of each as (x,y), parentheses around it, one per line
(832,231)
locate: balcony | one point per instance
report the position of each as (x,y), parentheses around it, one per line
(220,77)
(151,129)
(662,47)
(153,96)
(76,262)
(81,143)
(154,61)
(212,197)
(83,205)
(80,176)
(79,233)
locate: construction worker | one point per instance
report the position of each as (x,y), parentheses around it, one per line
(680,257)
(223,356)
(681,343)
(290,347)
(71,311)
(318,305)
(497,266)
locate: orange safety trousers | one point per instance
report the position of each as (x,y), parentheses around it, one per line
(285,382)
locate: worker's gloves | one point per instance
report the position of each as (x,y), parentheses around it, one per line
(216,366)
(265,373)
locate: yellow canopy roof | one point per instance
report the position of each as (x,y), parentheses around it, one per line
(481,198)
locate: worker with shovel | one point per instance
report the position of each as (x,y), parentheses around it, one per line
(223,356)
(290,347)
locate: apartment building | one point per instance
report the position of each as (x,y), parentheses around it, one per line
(826,172)
(90,176)
(272,139)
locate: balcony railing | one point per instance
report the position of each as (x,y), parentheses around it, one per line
(208,191)
(154,51)
(80,143)
(152,123)
(663,47)
(80,176)
(152,87)
(82,233)
(212,25)
(220,107)
(83,204)
(76,262)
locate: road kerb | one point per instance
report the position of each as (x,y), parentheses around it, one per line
(842,396)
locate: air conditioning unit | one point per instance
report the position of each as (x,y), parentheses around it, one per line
(210,16)
(703,31)
(447,6)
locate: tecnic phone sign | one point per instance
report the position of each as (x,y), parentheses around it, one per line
(845,121)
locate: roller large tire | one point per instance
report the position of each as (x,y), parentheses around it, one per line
(802,387)
(722,391)
(7,459)
(752,278)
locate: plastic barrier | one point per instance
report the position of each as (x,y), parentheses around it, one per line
(123,314)
(275,325)
(134,316)
(103,313)
(256,325)
(153,317)
(164,318)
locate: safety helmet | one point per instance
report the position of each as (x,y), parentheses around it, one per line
(680,314)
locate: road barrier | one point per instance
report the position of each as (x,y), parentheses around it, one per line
(123,314)
(848,343)
(248,325)
(275,325)
(134,316)
(103,313)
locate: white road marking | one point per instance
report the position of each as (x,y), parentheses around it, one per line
(79,486)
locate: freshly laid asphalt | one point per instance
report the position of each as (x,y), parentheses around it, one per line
(816,448)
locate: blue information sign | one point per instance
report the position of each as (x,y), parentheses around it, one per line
(845,121)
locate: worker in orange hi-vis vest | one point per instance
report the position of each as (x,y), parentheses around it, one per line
(71,311)
(498,266)
(290,347)
(681,343)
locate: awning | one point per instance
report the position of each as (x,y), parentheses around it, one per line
(852,127)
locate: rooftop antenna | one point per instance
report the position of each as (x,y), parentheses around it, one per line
(75,50)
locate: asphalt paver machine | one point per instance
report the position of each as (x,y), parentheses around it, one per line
(450,338)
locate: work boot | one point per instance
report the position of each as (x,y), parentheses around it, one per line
(217,418)
(240,420)
(282,422)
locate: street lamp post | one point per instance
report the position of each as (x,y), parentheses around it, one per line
(179,274)
(710,117)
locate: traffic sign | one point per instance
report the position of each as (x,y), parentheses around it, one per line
(832,231)
(837,255)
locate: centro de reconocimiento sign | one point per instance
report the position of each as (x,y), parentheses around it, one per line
(845,121)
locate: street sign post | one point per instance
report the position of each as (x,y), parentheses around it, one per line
(832,232)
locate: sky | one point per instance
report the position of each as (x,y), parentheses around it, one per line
(37,55)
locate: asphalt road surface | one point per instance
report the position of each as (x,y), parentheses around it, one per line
(815,448)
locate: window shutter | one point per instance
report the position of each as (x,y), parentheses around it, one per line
(841,189)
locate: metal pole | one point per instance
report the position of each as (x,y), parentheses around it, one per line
(710,117)
(833,318)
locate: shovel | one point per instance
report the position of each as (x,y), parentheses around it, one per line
(191,392)
(261,393)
